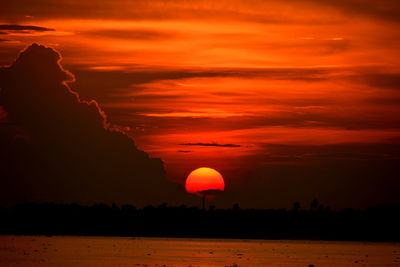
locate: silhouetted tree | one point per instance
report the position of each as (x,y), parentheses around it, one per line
(296,206)
(236,207)
(377,223)
(128,208)
(314,204)
(321,208)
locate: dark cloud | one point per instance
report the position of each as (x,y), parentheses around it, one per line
(58,147)
(210,144)
(184,151)
(23,28)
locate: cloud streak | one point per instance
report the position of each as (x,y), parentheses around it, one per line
(210,144)
(23,28)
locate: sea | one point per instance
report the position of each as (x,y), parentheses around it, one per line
(78,251)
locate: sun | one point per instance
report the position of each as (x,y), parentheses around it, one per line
(205,182)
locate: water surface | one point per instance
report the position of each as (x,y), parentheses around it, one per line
(65,251)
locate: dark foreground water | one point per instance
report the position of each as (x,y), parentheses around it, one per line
(31,251)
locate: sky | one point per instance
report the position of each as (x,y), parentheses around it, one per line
(290,101)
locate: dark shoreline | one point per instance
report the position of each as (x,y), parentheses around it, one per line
(184,238)
(376,224)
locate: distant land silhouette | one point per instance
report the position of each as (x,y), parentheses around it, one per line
(376,223)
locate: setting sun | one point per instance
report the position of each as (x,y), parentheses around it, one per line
(204,182)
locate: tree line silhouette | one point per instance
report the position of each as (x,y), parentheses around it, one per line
(375,223)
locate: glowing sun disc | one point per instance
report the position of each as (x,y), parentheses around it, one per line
(204,182)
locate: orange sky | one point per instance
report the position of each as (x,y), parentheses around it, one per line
(177,75)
